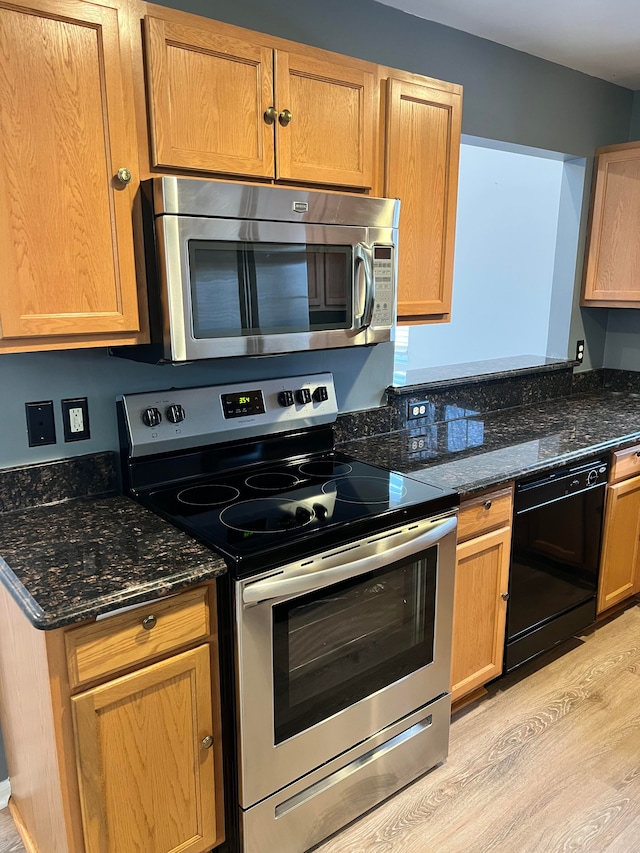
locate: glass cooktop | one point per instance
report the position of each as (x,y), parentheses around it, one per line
(280,511)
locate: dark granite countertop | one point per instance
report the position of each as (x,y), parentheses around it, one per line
(75,557)
(480,451)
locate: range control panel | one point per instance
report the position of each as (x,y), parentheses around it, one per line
(161,421)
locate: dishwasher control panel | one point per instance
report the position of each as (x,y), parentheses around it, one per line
(550,486)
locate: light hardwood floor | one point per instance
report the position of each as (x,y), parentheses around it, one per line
(548,762)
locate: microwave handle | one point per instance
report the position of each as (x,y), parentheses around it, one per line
(363,257)
(279,586)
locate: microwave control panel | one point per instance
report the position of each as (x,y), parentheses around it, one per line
(384,309)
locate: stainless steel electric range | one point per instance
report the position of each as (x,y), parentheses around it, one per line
(337,604)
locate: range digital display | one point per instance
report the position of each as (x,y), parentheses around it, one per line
(242,404)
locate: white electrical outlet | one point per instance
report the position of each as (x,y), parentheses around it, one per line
(76,420)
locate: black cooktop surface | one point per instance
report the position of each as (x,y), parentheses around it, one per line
(263,515)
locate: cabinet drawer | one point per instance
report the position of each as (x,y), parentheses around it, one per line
(625,463)
(120,641)
(485,512)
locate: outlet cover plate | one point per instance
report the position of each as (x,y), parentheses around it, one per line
(75,418)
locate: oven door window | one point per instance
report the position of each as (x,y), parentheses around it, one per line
(334,647)
(240,288)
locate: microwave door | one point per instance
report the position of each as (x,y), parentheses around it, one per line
(279,286)
(236,288)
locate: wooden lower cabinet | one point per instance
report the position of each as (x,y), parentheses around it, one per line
(619,570)
(145,762)
(480,598)
(128,762)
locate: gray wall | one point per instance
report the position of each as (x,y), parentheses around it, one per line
(508,96)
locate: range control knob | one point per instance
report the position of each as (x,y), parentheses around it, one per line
(151,417)
(321,394)
(175,413)
(320,510)
(303,395)
(285,398)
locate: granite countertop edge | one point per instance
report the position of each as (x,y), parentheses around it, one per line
(127,597)
(480,484)
(51,593)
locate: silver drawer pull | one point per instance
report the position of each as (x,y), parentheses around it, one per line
(149,622)
(487,504)
(207,742)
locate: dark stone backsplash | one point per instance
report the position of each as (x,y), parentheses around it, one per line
(360,424)
(53,482)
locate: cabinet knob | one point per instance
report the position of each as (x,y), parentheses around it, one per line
(124,176)
(270,115)
(285,117)
(487,504)
(207,742)
(637,452)
(505,596)
(149,622)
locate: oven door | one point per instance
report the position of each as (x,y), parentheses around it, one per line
(244,287)
(335,648)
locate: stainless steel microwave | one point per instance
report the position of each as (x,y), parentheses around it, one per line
(258,270)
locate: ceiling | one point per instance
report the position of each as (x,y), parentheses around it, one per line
(598,37)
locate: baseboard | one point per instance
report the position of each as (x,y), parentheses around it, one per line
(5,793)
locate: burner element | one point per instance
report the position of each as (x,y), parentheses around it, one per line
(325,468)
(266,515)
(210,495)
(273,481)
(365,490)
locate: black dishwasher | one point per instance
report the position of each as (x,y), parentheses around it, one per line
(555,556)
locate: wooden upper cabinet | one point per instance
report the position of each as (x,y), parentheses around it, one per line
(66,129)
(330,136)
(227,101)
(612,266)
(208,94)
(421,169)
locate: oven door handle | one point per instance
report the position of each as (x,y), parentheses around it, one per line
(309,581)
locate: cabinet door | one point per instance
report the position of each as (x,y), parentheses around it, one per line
(146,780)
(329,138)
(423,150)
(612,267)
(66,235)
(619,572)
(479,610)
(207,95)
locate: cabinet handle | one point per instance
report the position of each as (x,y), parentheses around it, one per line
(149,622)
(270,115)
(487,504)
(124,176)
(285,117)
(207,742)
(505,596)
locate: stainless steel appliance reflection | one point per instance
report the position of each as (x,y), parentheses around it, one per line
(336,612)
(343,673)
